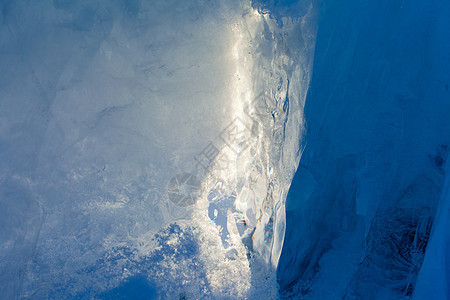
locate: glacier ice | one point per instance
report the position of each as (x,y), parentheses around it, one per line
(224,149)
(111,113)
(366,212)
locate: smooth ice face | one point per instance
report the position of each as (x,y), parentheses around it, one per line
(147,140)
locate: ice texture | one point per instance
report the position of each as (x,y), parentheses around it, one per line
(112,112)
(367,212)
(224,149)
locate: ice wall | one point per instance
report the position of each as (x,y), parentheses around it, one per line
(111,112)
(433,279)
(101,104)
(363,202)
